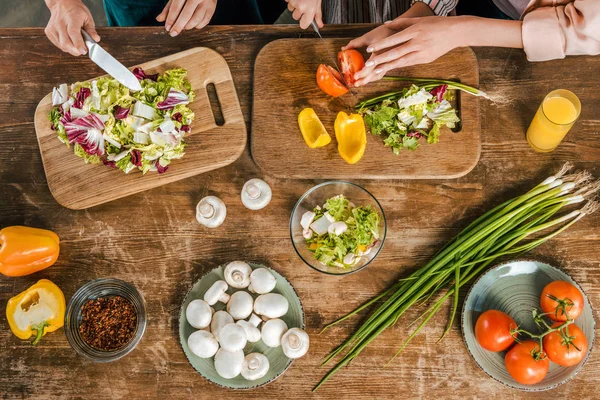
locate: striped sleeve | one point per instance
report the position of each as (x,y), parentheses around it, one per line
(439,7)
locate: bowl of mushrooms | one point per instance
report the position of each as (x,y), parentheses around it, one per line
(241,325)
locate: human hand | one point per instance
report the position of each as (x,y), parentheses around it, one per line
(405,42)
(306,11)
(67,18)
(186,14)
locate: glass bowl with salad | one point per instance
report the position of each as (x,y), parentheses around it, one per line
(337,227)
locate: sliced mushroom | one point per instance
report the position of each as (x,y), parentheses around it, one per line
(252,332)
(349,258)
(255,366)
(337,228)
(232,337)
(203,344)
(217,293)
(229,363)
(237,274)
(307,219)
(219,320)
(240,305)
(294,343)
(262,281)
(272,331)
(199,314)
(307,233)
(271,305)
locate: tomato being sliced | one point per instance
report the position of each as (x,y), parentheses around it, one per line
(562,353)
(524,366)
(558,292)
(330,81)
(350,62)
(492,330)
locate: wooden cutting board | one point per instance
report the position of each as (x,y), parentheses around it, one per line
(284,84)
(77,185)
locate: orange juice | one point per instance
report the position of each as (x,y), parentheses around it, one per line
(553,119)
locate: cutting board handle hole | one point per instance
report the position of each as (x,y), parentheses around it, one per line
(215,104)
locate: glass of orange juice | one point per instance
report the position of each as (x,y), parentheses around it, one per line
(553,120)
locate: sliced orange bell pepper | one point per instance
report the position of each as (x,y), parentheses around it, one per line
(39,309)
(312,129)
(351,136)
(25,250)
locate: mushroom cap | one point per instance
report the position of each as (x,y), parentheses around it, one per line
(217,293)
(229,363)
(262,281)
(211,212)
(237,274)
(219,320)
(256,194)
(232,337)
(198,314)
(252,332)
(271,305)
(203,344)
(272,331)
(255,366)
(240,305)
(294,343)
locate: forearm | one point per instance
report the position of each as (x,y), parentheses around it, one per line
(476,31)
(419,9)
(51,3)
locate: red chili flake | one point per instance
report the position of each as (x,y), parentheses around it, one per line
(108,323)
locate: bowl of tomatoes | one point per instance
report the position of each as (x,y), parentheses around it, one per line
(528,325)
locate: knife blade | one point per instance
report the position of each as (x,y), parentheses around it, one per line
(110,64)
(331,57)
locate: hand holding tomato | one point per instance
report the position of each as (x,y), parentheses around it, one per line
(527,363)
(493,330)
(329,79)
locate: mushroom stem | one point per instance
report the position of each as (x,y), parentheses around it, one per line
(206,210)
(253,191)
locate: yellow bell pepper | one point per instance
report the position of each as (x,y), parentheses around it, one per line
(39,309)
(312,129)
(351,136)
(25,250)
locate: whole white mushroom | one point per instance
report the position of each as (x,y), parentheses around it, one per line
(203,344)
(219,320)
(232,337)
(217,293)
(262,281)
(294,343)
(252,332)
(240,305)
(272,331)
(199,314)
(237,274)
(271,305)
(229,363)
(255,366)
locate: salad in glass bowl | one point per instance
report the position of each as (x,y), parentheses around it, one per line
(337,227)
(105,122)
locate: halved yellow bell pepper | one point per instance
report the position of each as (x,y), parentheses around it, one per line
(25,250)
(39,309)
(351,136)
(312,129)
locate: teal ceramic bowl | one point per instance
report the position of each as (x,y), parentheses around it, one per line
(515,288)
(279,363)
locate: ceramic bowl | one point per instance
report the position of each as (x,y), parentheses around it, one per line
(294,318)
(318,195)
(515,288)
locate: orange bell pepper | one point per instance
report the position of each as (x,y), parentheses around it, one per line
(25,250)
(39,309)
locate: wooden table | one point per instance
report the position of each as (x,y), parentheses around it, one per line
(153,241)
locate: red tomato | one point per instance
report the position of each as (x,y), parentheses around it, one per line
(522,365)
(492,330)
(562,353)
(330,81)
(560,291)
(350,62)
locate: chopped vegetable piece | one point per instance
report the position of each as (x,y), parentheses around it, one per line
(312,129)
(351,136)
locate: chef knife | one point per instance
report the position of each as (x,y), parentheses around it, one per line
(109,64)
(331,57)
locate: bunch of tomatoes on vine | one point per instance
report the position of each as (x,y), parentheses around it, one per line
(529,354)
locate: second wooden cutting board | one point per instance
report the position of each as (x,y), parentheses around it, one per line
(285,83)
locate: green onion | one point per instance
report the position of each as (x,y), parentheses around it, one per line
(512,228)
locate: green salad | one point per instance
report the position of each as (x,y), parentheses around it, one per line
(104,122)
(340,233)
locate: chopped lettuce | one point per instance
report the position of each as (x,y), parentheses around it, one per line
(108,123)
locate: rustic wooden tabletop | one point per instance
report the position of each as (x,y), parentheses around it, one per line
(153,241)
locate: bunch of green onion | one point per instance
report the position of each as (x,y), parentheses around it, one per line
(424,83)
(512,228)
